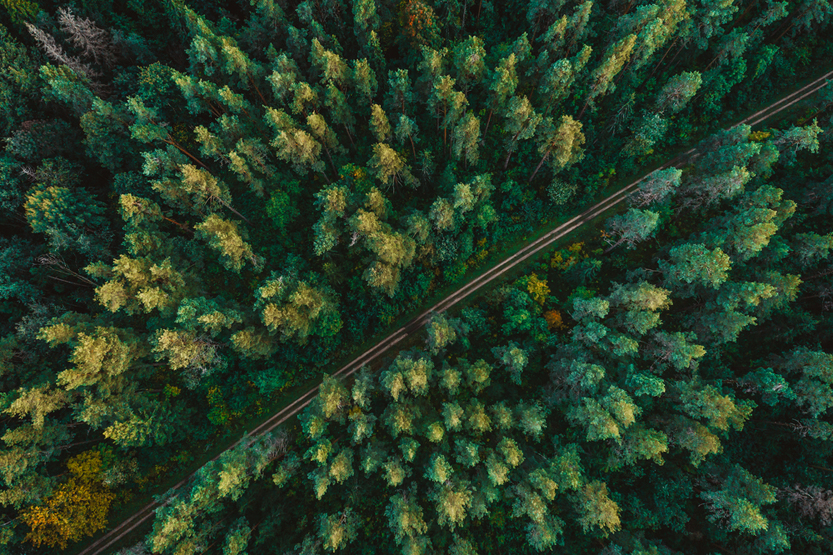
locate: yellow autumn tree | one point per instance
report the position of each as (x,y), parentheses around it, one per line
(538,289)
(77,508)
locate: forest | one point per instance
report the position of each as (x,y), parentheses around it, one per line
(206,208)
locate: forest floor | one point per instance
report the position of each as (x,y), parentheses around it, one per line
(513,257)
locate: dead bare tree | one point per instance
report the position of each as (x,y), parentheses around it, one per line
(55,53)
(85,35)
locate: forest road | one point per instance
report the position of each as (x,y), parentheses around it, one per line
(99,546)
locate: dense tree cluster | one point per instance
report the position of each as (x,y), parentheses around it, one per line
(205,204)
(681,404)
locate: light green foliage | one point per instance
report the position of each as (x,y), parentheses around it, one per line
(399,95)
(657,187)
(504,81)
(341,466)
(676,349)
(639,305)
(390,168)
(514,358)
(693,264)
(632,227)
(453,416)
(466,139)
(297,308)
(737,504)
(601,79)
(452,500)
(228,240)
(338,530)
(405,516)
(441,333)
(531,420)
(332,397)
(597,509)
(678,91)
(649,130)
(796,139)
(438,470)
(521,121)
(207,314)
(561,145)
(469,61)
(379,123)
(716,410)
(294,145)
(58,204)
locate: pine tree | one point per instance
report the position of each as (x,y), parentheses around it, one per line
(691,264)
(678,91)
(521,123)
(657,187)
(560,76)
(466,138)
(563,143)
(650,129)
(632,227)
(469,62)
(225,237)
(406,128)
(597,509)
(379,124)
(297,308)
(390,168)
(441,333)
(399,96)
(504,81)
(364,80)
(338,530)
(601,79)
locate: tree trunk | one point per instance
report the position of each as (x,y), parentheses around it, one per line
(235,211)
(445,127)
(614,245)
(170,140)
(252,81)
(535,30)
(656,68)
(511,149)
(183,226)
(583,108)
(487,124)
(743,13)
(349,136)
(330,158)
(509,155)
(679,51)
(541,163)
(792,22)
